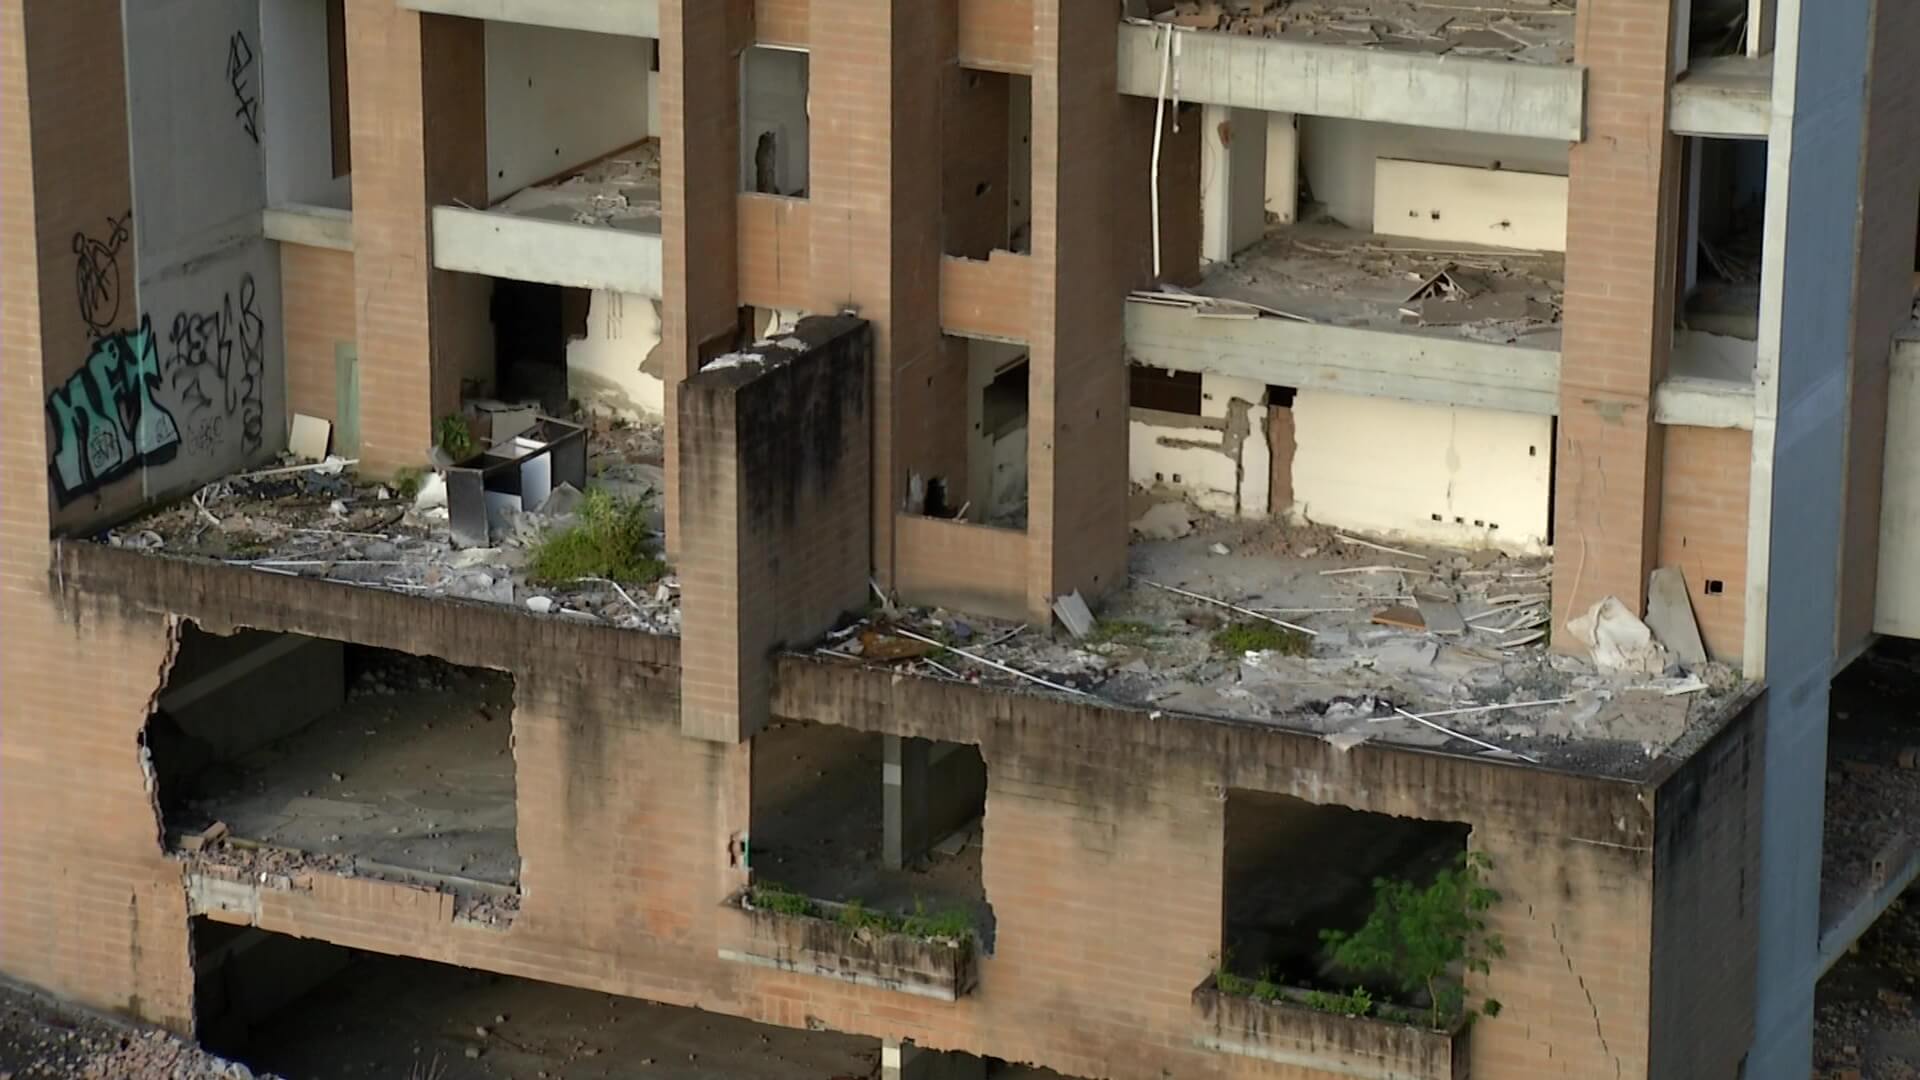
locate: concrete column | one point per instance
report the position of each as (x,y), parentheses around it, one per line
(1233,172)
(1283,168)
(901,1060)
(903,780)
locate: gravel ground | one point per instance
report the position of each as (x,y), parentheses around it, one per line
(44,1038)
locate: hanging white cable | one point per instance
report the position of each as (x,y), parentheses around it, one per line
(1159,124)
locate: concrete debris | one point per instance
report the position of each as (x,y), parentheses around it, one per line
(306,522)
(1321,271)
(1617,640)
(1073,614)
(1219,549)
(1155,648)
(619,191)
(1523,31)
(1165,521)
(561,501)
(1670,616)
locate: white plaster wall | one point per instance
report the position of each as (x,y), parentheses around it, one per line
(1338,158)
(1283,167)
(1193,456)
(1233,175)
(603,368)
(296,121)
(1897,607)
(774,98)
(1390,467)
(557,99)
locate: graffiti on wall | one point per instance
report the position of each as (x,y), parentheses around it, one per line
(106,420)
(201,370)
(96,271)
(240,78)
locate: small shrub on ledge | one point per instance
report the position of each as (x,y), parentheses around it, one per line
(1416,940)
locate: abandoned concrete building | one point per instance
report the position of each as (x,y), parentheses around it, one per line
(974,528)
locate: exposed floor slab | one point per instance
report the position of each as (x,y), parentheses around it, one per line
(414,771)
(1870,852)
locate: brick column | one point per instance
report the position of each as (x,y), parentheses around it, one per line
(405,64)
(1077,404)
(875,185)
(1619,313)
(699,179)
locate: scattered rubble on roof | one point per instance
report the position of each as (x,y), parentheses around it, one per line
(1326,273)
(1527,31)
(621,190)
(323,521)
(1338,635)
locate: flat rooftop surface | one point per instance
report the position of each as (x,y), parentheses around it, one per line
(1527,31)
(1367,663)
(1330,274)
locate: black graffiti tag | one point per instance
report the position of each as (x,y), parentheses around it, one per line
(240,77)
(96,274)
(200,366)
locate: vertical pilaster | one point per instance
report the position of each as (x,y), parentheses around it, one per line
(1619,311)
(699,107)
(1077,438)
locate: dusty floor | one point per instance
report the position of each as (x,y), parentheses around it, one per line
(1327,273)
(415,770)
(817,828)
(384,1016)
(1873,774)
(1865,1027)
(44,1039)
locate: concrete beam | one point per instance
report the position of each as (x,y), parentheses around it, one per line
(554,252)
(1494,96)
(633,18)
(1723,97)
(1377,363)
(312,226)
(1689,401)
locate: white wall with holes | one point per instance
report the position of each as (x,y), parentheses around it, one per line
(1339,159)
(557,99)
(1437,473)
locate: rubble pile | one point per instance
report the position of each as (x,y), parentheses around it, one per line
(321,520)
(621,190)
(41,1039)
(1322,272)
(1525,31)
(1430,648)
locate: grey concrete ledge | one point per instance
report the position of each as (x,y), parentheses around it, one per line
(1497,97)
(311,226)
(553,252)
(1727,97)
(632,18)
(1690,401)
(1351,360)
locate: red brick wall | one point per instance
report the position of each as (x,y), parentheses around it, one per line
(1703,527)
(318,286)
(1883,299)
(1618,316)
(88,908)
(966,567)
(776,265)
(987,298)
(996,34)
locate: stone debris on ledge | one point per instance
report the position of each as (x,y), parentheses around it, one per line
(1524,31)
(1402,643)
(323,521)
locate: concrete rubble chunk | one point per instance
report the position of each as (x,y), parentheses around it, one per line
(1618,641)
(1670,616)
(1073,614)
(1165,521)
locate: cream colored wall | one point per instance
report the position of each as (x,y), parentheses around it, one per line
(603,368)
(1209,459)
(1389,467)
